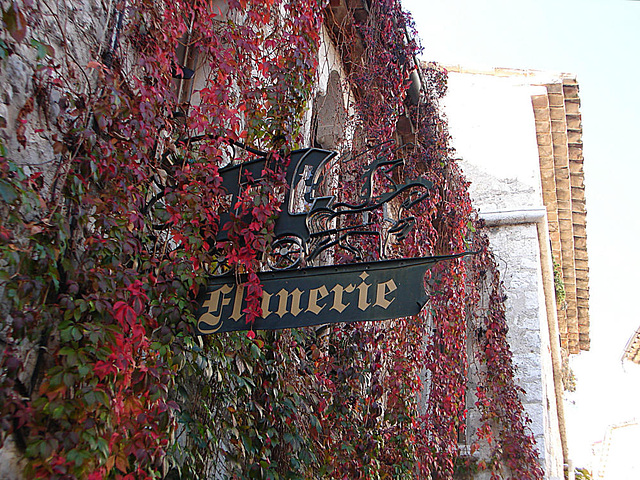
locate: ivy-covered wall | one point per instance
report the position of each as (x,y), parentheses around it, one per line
(111,193)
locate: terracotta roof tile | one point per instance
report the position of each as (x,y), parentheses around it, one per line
(562,174)
(632,350)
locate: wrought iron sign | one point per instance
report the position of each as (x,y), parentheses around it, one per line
(315,296)
(309,224)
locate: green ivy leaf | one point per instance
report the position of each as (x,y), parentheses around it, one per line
(4,50)
(7,192)
(43,49)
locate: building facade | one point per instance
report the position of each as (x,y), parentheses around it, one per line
(518,134)
(615,456)
(118,118)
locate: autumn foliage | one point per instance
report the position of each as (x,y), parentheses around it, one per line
(104,248)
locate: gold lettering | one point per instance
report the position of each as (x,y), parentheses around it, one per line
(316,294)
(295,302)
(214,305)
(266,299)
(338,290)
(282,305)
(237,304)
(363,290)
(383,290)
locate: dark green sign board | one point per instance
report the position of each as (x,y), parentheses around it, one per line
(314,296)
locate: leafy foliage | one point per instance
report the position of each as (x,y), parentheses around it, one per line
(583,474)
(103,253)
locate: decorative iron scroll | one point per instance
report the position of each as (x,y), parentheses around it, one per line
(314,296)
(309,224)
(304,233)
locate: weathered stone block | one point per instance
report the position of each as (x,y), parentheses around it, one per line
(582,284)
(579,230)
(577,182)
(582,265)
(563,195)
(564,216)
(547,175)
(580,242)
(12,461)
(582,254)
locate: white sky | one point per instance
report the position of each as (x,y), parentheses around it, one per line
(599,41)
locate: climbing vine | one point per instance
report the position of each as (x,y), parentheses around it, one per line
(107,242)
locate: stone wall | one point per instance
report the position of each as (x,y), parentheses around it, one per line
(517,248)
(37,73)
(492,124)
(61,39)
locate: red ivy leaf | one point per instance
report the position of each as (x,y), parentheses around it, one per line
(124,314)
(15,22)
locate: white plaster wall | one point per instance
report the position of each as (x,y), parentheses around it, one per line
(493,131)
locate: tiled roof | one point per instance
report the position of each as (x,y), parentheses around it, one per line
(559,133)
(632,350)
